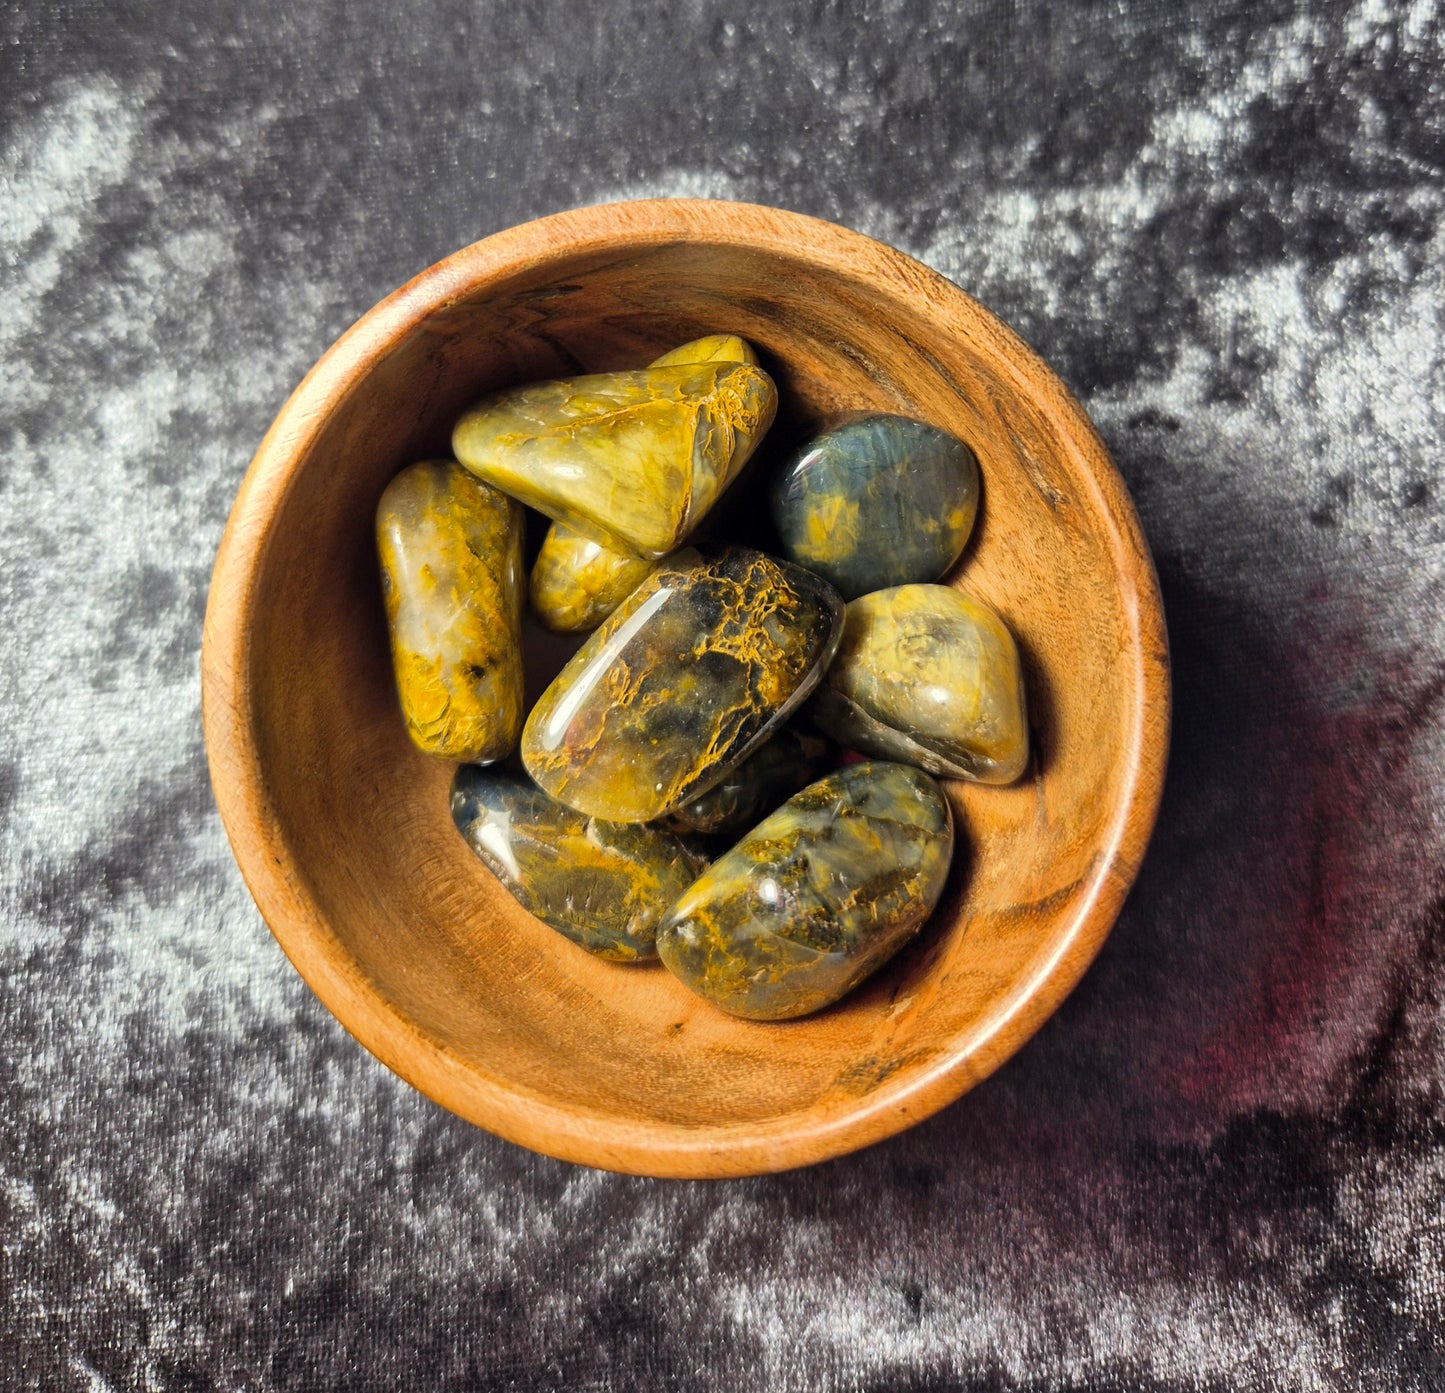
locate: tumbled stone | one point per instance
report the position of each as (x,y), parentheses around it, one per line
(714,348)
(689,675)
(577,581)
(816,897)
(931,676)
(604,885)
(634,459)
(774,772)
(878,502)
(451,576)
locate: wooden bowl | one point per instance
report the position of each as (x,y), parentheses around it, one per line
(342,829)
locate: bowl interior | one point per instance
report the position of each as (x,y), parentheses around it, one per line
(343,829)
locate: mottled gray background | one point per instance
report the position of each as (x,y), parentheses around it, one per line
(1221,1165)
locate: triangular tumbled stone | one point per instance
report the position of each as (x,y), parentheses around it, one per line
(633,458)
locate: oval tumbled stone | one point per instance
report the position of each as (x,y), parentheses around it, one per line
(634,459)
(877,502)
(689,675)
(604,885)
(816,897)
(928,675)
(451,576)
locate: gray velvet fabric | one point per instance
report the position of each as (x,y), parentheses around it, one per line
(1220,1166)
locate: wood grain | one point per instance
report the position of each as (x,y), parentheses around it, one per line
(342,829)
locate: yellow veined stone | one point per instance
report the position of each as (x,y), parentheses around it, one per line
(451,574)
(816,897)
(930,676)
(715,348)
(577,581)
(686,678)
(634,459)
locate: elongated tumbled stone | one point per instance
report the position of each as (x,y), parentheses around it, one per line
(689,675)
(878,502)
(775,771)
(451,576)
(816,897)
(577,581)
(604,885)
(634,459)
(928,675)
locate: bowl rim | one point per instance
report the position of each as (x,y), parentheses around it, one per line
(253,826)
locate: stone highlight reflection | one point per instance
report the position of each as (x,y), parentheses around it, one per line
(816,897)
(451,575)
(928,675)
(690,674)
(604,885)
(878,502)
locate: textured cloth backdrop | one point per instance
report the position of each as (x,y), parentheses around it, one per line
(1220,1166)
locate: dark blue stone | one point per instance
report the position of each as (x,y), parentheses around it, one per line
(877,502)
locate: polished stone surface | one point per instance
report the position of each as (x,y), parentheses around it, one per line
(604,885)
(816,897)
(451,577)
(578,581)
(928,675)
(634,459)
(877,502)
(712,348)
(770,775)
(698,666)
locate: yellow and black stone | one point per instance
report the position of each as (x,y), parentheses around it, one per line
(578,581)
(771,774)
(689,675)
(931,676)
(877,502)
(634,459)
(452,577)
(816,897)
(604,885)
